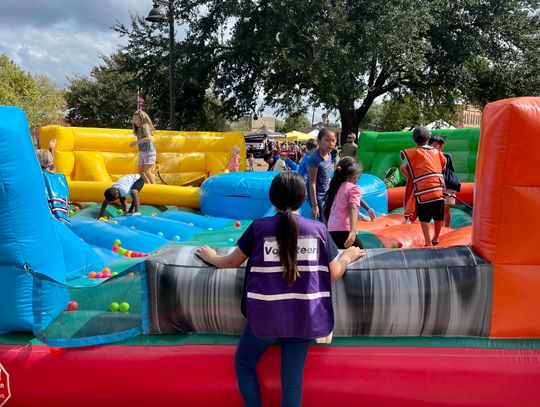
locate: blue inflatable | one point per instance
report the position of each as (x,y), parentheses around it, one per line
(33,241)
(246,193)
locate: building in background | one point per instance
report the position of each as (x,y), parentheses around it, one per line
(470,117)
(249,124)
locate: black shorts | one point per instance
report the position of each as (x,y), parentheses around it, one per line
(430,210)
(138,185)
(339,238)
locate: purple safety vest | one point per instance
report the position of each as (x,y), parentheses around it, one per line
(277,309)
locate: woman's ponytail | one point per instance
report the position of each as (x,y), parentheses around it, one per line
(287,239)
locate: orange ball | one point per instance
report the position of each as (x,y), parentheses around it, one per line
(106,270)
(75,208)
(92,274)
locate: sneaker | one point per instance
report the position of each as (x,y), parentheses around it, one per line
(136,214)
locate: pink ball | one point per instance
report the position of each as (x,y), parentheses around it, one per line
(107,274)
(237,224)
(99,275)
(72,306)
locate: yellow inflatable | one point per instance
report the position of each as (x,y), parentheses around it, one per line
(93,158)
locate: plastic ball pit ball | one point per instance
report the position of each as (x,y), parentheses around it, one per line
(72,306)
(114,307)
(114,273)
(99,275)
(124,307)
(119,211)
(117,242)
(92,274)
(237,224)
(160,234)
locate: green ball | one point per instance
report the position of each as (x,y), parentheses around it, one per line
(119,211)
(114,273)
(117,242)
(114,307)
(124,307)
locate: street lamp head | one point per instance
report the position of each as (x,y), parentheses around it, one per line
(156,15)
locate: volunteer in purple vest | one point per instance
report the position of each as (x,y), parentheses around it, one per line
(287,290)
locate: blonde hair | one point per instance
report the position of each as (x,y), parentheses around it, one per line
(236,150)
(145,120)
(46,159)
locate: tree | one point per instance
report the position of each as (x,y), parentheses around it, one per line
(402,111)
(145,57)
(36,95)
(344,54)
(294,121)
(107,98)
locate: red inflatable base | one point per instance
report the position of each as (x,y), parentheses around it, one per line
(203,375)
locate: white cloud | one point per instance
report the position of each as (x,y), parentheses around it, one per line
(62,38)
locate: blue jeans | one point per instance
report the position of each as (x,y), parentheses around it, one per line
(293,357)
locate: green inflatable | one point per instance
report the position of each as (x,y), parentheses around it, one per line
(379,152)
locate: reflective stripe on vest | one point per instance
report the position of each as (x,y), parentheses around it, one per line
(277,309)
(425,168)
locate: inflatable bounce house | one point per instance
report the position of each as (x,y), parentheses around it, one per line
(120,311)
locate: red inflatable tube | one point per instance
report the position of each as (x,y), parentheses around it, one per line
(203,375)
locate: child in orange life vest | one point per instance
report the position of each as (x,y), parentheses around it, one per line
(234,163)
(344,197)
(423,166)
(292,261)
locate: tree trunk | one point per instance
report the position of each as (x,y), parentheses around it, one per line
(350,122)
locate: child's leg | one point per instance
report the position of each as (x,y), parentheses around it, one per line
(149,176)
(447,215)
(437,230)
(141,172)
(249,351)
(135,203)
(425,231)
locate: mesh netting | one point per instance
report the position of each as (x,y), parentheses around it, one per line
(96,311)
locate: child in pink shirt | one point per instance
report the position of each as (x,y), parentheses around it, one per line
(343,199)
(234,163)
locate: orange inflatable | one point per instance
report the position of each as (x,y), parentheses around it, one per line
(506,224)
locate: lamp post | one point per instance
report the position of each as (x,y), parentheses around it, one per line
(157,16)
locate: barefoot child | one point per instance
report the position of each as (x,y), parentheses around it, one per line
(127,186)
(143,130)
(342,202)
(423,166)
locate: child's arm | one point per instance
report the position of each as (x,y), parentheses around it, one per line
(312,171)
(146,139)
(353,219)
(338,267)
(123,203)
(369,210)
(231,260)
(103,207)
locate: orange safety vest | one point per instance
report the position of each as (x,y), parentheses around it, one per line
(426,180)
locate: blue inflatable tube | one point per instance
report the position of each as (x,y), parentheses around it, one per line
(167,228)
(103,234)
(199,221)
(246,193)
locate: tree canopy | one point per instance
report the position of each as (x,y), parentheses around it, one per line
(344,54)
(36,95)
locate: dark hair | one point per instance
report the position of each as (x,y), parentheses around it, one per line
(287,193)
(312,144)
(111,194)
(323,133)
(420,135)
(436,139)
(346,168)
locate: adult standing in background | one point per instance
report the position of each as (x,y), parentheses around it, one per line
(350,148)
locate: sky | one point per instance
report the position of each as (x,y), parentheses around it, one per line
(64,38)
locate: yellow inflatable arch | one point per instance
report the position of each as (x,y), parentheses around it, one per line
(93,158)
